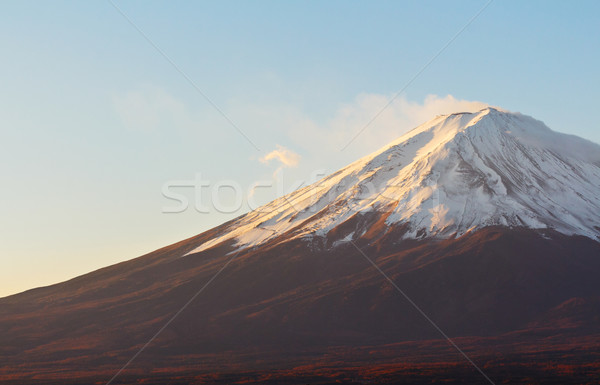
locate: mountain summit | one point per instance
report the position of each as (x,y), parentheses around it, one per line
(451,175)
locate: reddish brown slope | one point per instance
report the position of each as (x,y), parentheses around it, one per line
(294,302)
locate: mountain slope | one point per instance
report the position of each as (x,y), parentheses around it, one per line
(451,175)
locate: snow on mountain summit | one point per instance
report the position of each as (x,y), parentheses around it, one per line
(451,175)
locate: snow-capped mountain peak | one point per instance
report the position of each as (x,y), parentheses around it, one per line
(451,175)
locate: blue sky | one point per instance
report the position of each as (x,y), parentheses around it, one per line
(94,121)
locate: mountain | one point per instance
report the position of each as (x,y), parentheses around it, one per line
(481,227)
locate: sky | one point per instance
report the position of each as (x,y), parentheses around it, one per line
(114,114)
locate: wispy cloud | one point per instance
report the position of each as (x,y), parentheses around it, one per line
(150,109)
(401,116)
(322,137)
(283,155)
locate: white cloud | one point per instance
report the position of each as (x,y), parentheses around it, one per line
(322,137)
(283,155)
(349,122)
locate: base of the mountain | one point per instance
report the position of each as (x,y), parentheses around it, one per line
(508,359)
(522,304)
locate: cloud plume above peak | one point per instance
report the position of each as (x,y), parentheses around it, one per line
(351,120)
